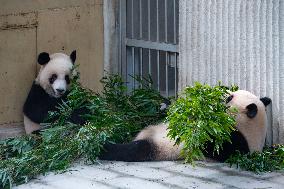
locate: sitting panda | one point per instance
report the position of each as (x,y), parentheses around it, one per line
(153,144)
(49,88)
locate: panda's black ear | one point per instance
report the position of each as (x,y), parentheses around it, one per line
(251,110)
(73,56)
(43,58)
(265,100)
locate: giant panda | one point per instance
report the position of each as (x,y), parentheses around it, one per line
(49,88)
(152,143)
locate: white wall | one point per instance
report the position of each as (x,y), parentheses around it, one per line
(237,42)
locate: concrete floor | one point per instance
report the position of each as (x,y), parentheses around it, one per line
(158,175)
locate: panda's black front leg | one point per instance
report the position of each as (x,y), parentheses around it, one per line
(77,116)
(238,143)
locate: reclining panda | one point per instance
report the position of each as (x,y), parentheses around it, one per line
(152,143)
(49,89)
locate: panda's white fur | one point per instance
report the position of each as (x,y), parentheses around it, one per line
(165,148)
(44,94)
(158,146)
(59,64)
(29,125)
(253,129)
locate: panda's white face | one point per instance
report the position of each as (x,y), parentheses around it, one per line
(54,76)
(251,118)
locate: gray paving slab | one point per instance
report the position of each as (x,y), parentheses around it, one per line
(157,175)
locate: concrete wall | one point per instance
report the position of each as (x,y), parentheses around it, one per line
(111,36)
(30,27)
(237,42)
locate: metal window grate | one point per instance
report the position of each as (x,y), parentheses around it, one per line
(148,37)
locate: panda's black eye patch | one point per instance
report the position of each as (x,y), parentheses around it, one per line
(52,78)
(67,79)
(251,110)
(229,98)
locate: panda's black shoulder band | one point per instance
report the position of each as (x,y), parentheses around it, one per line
(38,103)
(265,100)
